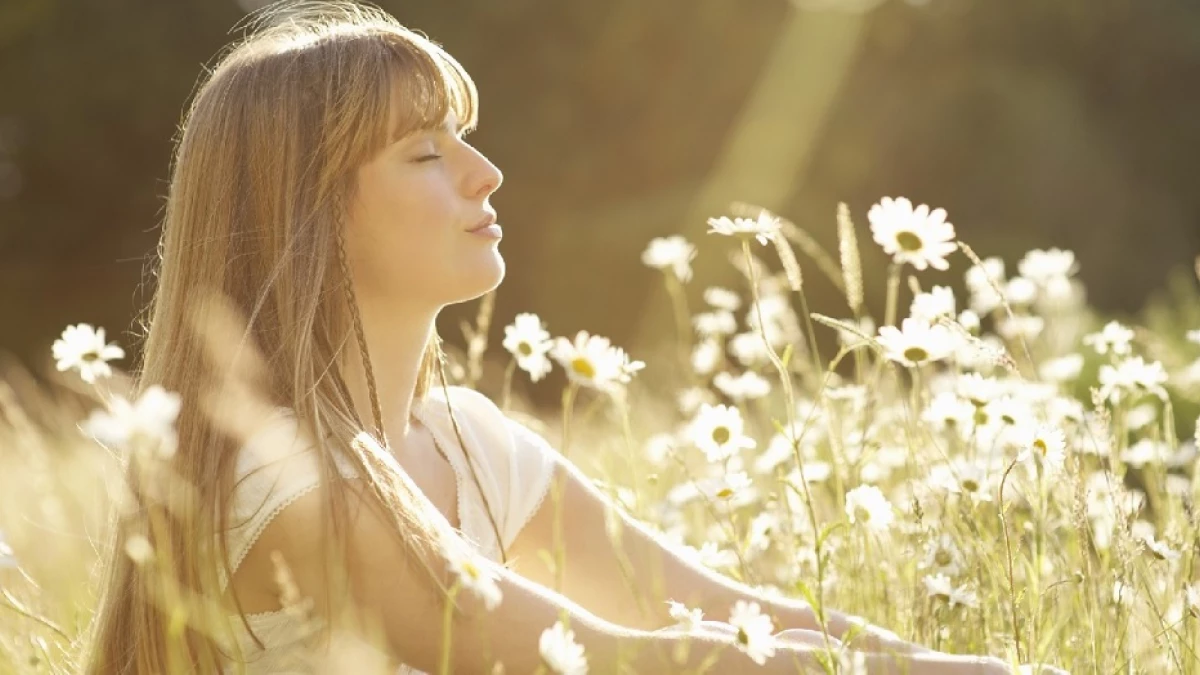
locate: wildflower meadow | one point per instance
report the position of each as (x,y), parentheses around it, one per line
(1001,471)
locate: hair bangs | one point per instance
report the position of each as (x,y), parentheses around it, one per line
(426,85)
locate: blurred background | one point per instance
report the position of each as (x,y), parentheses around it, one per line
(1068,123)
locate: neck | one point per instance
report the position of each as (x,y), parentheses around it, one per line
(396,339)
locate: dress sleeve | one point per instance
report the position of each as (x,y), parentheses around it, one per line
(532,462)
(274,468)
(520,461)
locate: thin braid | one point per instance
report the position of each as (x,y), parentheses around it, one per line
(361,335)
(470,465)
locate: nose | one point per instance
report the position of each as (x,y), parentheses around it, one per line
(487,178)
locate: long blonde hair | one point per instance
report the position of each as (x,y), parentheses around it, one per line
(261,176)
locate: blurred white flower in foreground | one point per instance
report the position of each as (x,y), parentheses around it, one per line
(560,651)
(866,504)
(919,236)
(723,298)
(1113,338)
(146,425)
(980,280)
(1193,336)
(929,306)
(1132,376)
(764,228)
(83,347)
(748,385)
(527,340)
(685,618)
(674,253)
(594,362)
(719,431)
(476,578)
(916,342)
(1062,368)
(1044,267)
(755,631)
(938,586)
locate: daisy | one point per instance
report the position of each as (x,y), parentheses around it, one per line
(748,385)
(143,425)
(764,228)
(711,555)
(977,389)
(938,586)
(943,556)
(984,297)
(1159,549)
(723,298)
(1146,451)
(1020,291)
(868,505)
(1043,267)
(949,412)
(718,322)
(938,302)
(1062,368)
(1046,444)
(755,631)
(83,347)
(527,340)
(672,253)
(1020,326)
(1133,376)
(688,619)
(726,487)
(718,430)
(1191,594)
(1114,338)
(916,342)
(969,320)
(917,236)
(594,362)
(560,651)
(706,356)
(748,349)
(476,578)
(1193,336)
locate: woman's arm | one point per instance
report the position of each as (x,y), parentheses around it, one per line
(407,614)
(629,578)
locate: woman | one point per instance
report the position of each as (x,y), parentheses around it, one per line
(322,185)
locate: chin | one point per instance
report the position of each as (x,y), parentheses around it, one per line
(487,278)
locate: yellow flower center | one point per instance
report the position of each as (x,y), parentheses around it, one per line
(583,367)
(916,354)
(721,435)
(525,349)
(943,557)
(909,241)
(470,570)
(1040,446)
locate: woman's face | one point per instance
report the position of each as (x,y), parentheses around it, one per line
(407,236)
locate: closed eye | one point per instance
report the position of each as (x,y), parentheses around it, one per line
(428,158)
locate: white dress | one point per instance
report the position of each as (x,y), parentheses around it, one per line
(513,464)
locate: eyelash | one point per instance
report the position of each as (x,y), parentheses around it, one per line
(426,158)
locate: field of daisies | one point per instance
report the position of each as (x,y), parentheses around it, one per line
(1000,472)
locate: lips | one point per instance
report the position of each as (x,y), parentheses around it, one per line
(489,219)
